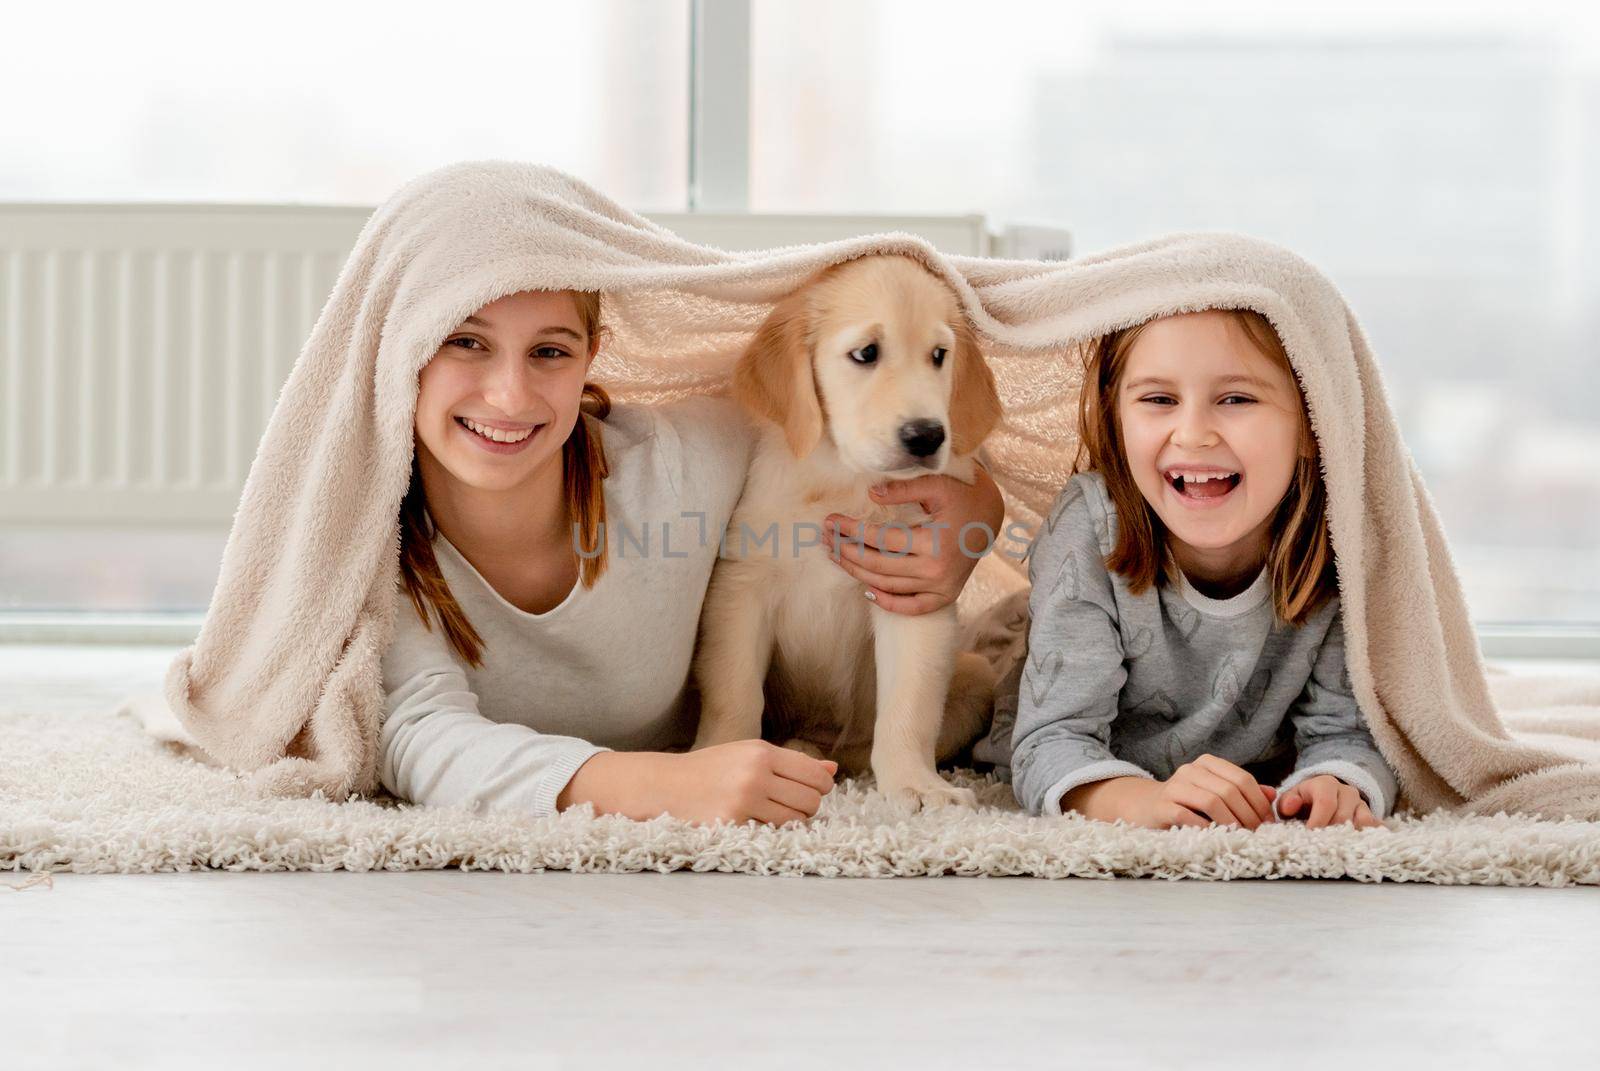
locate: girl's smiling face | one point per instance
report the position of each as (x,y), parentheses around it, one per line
(1212,429)
(500,397)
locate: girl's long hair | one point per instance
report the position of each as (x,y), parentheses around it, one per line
(583,469)
(1300,562)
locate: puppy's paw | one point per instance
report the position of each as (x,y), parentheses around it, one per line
(926,792)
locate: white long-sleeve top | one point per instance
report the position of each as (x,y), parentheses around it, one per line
(606,669)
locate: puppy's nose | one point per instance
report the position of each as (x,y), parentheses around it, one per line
(922,437)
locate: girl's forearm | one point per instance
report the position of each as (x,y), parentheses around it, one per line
(618,782)
(1105,800)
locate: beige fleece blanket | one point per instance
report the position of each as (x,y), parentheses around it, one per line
(284,677)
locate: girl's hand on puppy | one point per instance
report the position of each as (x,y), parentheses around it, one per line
(1330,802)
(923,568)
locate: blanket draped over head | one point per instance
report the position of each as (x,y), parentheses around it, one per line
(284,681)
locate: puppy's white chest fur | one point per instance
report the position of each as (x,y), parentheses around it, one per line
(820,618)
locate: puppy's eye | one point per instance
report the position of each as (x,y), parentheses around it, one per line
(939,353)
(867,354)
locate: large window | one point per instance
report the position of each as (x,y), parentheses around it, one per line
(331,103)
(1440,162)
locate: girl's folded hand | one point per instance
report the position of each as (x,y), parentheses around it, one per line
(1214,789)
(1209,789)
(1331,802)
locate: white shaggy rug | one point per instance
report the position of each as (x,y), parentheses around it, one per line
(90,793)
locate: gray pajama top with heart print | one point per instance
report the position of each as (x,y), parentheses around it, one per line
(1114,684)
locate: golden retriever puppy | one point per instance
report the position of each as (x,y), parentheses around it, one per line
(868,371)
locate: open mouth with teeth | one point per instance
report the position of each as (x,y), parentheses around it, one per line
(1202,486)
(497,436)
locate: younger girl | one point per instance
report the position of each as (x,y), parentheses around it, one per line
(1186,647)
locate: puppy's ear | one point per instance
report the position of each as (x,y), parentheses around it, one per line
(974,402)
(774,378)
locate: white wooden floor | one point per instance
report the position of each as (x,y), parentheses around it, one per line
(563,970)
(552,970)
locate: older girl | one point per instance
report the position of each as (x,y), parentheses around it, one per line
(555,553)
(1186,648)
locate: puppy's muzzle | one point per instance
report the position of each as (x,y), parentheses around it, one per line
(922,438)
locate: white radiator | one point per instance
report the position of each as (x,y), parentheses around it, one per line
(142,347)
